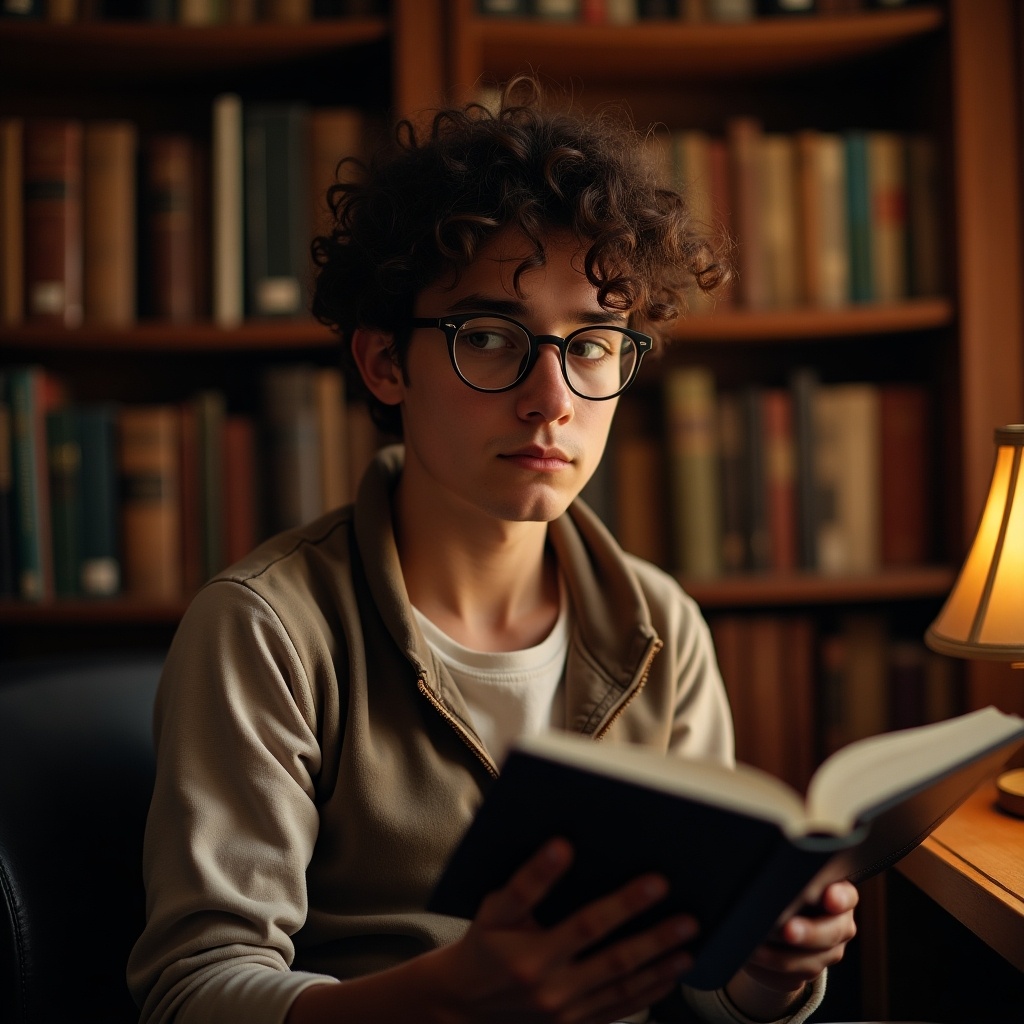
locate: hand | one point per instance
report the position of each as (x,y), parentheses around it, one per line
(774,978)
(508,968)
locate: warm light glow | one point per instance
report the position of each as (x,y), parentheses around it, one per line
(983,617)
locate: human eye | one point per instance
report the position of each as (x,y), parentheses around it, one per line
(595,345)
(490,336)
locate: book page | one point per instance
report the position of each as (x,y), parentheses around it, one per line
(874,770)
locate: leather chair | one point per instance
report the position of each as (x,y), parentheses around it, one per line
(76,774)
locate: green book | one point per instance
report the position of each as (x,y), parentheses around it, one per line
(858,216)
(99,567)
(64,458)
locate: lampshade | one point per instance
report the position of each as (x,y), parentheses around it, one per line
(983,617)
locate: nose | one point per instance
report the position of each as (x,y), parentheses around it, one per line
(544,394)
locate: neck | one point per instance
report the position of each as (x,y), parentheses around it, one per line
(490,586)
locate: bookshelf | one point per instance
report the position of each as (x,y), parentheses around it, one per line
(944,68)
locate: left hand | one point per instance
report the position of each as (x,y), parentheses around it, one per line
(773,981)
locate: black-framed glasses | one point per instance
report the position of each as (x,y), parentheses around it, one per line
(493,352)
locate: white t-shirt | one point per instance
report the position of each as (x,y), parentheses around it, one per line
(511,694)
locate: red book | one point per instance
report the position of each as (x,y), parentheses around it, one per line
(241,488)
(905,486)
(53,220)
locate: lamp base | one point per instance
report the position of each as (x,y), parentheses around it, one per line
(1010,792)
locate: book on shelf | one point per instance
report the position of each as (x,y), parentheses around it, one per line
(241,487)
(335,134)
(905,474)
(211,411)
(740,848)
(846,466)
(8,581)
(291,445)
(779,479)
(733,482)
(743,136)
(887,204)
(289,12)
(64,461)
(332,436)
(108,222)
(52,171)
(758,542)
(858,215)
(171,224)
(691,437)
(33,393)
(149,466)
(803,385)
(227,211)
(12,229)
(924,224)
(99,568)
(638,484)
(278,268)
(556,10)
(777,215)
(821,190)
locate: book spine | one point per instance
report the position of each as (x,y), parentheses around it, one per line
(803,385)
(744,139)
(149,467)
(99,570)
(277,205)
(53,220)
(778,217)
(691,429)
(332,424)
(170,205)
(924,226)
(638,471)
(335,134)
(64,457)
(887,186)
(108,234)
(858,217)
(733,482)
(8,585)
(780,477)
(12,233)
(211,415)
(758,540)
(292,445)
(33,393)
(227,211)
(241,487)
(905,469)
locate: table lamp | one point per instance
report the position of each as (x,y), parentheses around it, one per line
(983,617)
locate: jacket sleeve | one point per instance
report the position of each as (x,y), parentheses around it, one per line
(232,821)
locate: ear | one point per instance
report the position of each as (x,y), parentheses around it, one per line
(373,355)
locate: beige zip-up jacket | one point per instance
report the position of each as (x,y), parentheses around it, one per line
(316,765)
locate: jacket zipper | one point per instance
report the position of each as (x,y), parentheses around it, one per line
(457,726)
(656,646)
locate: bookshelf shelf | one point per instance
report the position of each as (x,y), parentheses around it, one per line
(254,335)
(802,323)
(679,52)
(793,589)
(111,612)
(40,50)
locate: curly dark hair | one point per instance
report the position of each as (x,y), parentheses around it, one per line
(425,207)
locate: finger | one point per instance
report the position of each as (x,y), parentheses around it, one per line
(515,902)
(840,897)
(599,919)
(817,933)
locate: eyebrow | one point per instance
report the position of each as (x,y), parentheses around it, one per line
(478,303)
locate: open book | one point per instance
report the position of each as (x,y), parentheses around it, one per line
(741,849)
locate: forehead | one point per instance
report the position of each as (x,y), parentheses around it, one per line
(493,272)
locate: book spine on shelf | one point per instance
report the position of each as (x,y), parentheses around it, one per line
(12,228)
(292,445)
(64,458)
(227,211)
(924,225)
(332,432)
(803,385)
(34,392)
(691,431)
(99,570)
(905,470)
(172,230)
(211,412)
(780,251)
(241,487)
(276,208)
(638,471)
(858,216)
(8,578)
(744,139)
(335,134)
(149,469)
(780,477)
(887,199)
(53,220)
(108,232)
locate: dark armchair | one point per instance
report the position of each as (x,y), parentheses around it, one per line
(76,772)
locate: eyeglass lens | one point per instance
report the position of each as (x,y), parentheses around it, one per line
(492,354)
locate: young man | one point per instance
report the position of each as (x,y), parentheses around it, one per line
(335,706)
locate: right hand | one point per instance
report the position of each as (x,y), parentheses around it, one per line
(508,968)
